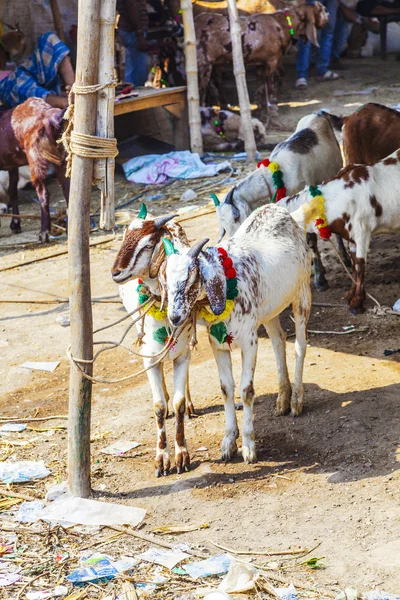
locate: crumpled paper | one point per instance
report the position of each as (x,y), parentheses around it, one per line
(240,578)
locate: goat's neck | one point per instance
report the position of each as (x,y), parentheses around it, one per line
(281,18)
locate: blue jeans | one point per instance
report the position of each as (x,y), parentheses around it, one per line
(136,70)
(342,32)
(325,40)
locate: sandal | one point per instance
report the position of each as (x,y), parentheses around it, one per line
(301,83)
(328,76)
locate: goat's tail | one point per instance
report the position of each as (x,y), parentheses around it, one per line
(336,122)
(308,212)
(51,132)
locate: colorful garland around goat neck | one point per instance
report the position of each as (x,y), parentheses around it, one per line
(160,335)
(290,23)
(277,179)
(219,128)
(321,222)
(218,330)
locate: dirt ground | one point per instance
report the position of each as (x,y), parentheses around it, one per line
(330,477)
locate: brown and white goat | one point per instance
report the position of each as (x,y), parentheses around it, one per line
(12,44)
(271,263)
(362,201)
(213,122)
(28,136)
(265,40)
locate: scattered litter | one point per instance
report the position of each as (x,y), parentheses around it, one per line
(9,578)
(390,351)
(202,449)
(287,593)
(188,196)
(218,596)
(240,578)
(157,168)
(175,529)
(56,491)
(348,594)
(396,306)
(58,592)
(165,558)
(243,156)
(120,447)
(348,327)
(216,565)
(23,470)
(152,197)
(185,209)
(99,566)
(378,595)
(28,511)
(15,427)
(68,509)
(64,320)
(41,366)
(61,558)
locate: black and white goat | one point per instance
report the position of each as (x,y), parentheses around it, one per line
(270,259)
(308,157)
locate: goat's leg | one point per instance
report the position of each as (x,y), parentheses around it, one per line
(190,410)
(165,390)
(249,358)
(224,364)
(301,312)
(156,377)
(278,341)
(44,199)
(65,185)
(359,257)
(320,281)
(343,252)
(15,224)
(181,366)
(204,80)
(262,97)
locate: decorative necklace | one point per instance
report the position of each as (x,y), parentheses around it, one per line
(321,222)
(277,179)
(290,23)
(219,128)
(162,334)
(219,330)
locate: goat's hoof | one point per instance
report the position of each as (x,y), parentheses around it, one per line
(229,448)
(182,460)
(249,453)
(357,310)
(283,400)
(322,286)
(44,237)
(15,226)
(163,464)
(281,411)
(190,410)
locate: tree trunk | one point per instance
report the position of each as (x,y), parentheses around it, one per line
(196,141)
(240,76)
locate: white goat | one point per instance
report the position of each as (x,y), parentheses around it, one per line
(142,256)
(360,202)
(271,262)
(308,157)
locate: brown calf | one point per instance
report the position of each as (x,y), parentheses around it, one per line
(12,44)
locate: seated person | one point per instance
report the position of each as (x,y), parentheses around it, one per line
(378,8)
(41,75)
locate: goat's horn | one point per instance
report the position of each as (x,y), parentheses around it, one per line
(142,212)
(169,247)
(229,197)
(222,233)
(197,248)
(158,223)
(215,199)
(12,27)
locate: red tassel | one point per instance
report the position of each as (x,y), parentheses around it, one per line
(229,340)
(319,222)
(223,253)
(325,233)
(280,193)
(139,281)
(227,263)
(230,273)
(263,163)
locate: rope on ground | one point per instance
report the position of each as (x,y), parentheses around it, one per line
(82,144)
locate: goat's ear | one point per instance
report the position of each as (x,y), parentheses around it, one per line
(311,30)
(214,281)
(162,280)
(157,259)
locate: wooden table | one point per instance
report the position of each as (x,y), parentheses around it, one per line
(172,99)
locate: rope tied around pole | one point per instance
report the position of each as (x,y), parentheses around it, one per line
(82,144)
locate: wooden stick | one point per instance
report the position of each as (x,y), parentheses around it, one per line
(19,216)
(250,553)
(54,254)
(57,20)
(153,540)
(31,419)
(80,388)
(196,141)
(240,77)
(10,494)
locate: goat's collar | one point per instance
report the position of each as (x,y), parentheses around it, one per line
(144,294)
(290,23)
(8,55)
(322,222)
(277,179)
(219,127)
(219,330)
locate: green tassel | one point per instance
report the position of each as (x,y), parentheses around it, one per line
(274,198)
(277,179)
(219,332)
(143,298)
(231,289)
(142,212)
(215,199)
(232,294)
(169,247)
(160,335)
(314,190)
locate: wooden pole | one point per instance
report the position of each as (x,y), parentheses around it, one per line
(80,389)
(196,141)
(57,20)
(240,76)
(104,168)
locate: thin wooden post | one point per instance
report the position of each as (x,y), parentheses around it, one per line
(240,76)
(80,389)
(196,141)
(105,167)
(55,9)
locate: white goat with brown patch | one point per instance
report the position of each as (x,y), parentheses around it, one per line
(308,157)
(269,258)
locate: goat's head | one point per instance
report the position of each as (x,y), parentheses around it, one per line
(14,40)
(260,133)
(142,250)
(190,276)
(310,18)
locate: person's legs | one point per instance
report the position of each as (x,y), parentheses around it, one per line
(342,32)
(303,62)
(326,39)
(135,60)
